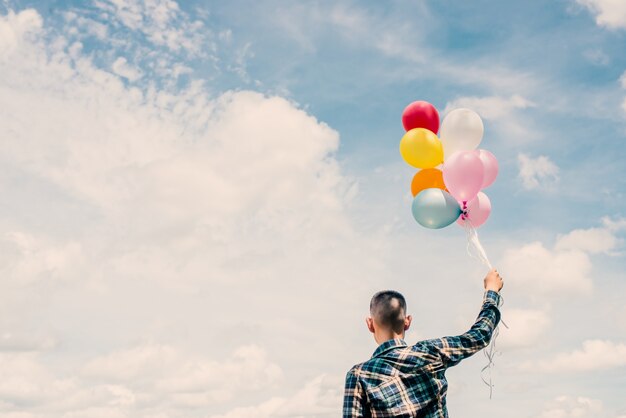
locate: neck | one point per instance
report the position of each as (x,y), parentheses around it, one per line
(385,335)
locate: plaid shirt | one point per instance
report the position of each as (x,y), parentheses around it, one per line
(409,381)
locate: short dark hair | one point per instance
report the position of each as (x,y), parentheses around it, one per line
(388,308)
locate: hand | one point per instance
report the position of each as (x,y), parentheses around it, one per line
(493,281)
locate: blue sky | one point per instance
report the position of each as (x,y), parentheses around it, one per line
(201,197)
(570,69)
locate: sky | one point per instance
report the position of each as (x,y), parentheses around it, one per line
(200,198)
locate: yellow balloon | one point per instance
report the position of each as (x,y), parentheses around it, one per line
(421,148)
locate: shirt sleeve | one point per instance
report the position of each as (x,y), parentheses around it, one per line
(454,349)
(353,397)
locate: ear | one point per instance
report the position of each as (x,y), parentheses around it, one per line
(407,322)
(370,324)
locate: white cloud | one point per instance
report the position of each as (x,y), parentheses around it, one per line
(608,13)
(186,380)
(573,407)
(97,412)
(160,377)
(604,239)
(132,363)
(592,241)
(31,387)
(320,397)
(594,356)
(565,268)
(26,380)
(14,28)
(614,225)
(538,172)
(525,327)
(146,212)
(534,268)
(188,164)
(29,257)
(122,68)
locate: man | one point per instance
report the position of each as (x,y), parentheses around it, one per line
(409,381)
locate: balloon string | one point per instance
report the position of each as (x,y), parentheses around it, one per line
(490,353)
(476,250)
(474,247)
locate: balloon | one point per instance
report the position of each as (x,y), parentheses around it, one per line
(461,130)
(420,115)
(490,166)
(426,179)
(435,208)
(421,148)
(478,210)
(463,175)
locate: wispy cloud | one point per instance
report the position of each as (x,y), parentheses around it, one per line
(161,21)
(122,68)
(537,172)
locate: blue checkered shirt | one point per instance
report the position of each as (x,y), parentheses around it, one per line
(409,381)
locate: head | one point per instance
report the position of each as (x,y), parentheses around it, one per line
(388,318)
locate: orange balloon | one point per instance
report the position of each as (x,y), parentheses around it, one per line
(427,178)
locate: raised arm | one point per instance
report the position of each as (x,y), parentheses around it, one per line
(454,349)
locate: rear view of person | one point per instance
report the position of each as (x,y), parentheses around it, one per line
(409,381)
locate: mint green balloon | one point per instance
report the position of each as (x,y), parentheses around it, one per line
(435,208)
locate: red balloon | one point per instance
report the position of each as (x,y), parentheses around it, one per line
(420,114)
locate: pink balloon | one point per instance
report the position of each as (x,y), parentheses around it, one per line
(463,175)
(478,210)
(420,114)
(490,165)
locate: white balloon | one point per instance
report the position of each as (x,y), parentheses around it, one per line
(461,130)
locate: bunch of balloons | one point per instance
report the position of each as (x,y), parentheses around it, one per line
(453,171)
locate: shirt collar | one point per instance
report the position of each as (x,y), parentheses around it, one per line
(388,345)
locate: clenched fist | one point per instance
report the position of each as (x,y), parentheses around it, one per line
(493,281)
